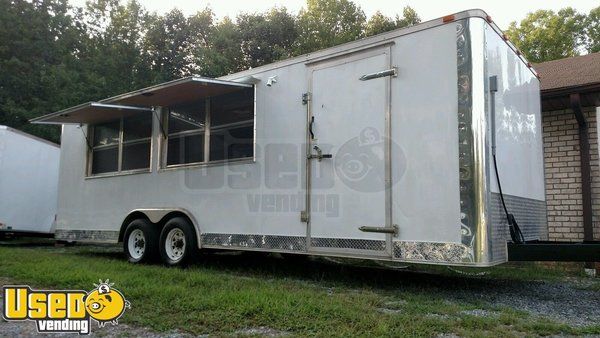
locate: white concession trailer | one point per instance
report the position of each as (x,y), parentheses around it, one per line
(28,183)
(379,149)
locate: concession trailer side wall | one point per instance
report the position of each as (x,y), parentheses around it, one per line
(28,183)
(379,148)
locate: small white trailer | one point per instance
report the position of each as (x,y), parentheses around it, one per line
(382,148)
(28,183)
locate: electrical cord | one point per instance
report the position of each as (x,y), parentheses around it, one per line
(515,232)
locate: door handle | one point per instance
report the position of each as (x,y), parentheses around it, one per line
(310,127)
(385,230)
(319,156)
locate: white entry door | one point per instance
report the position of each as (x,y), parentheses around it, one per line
(347,188)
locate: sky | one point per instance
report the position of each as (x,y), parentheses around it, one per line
(503,12)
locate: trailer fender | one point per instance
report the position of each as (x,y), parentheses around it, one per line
(160,216)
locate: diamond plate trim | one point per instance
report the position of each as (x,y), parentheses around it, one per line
(408,251)
(433,252)
(529,213)
(86,235)
(348,243)
(267,242)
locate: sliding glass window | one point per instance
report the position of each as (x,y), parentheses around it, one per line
(122,145)
(186,133)
(232,126)
(218,128)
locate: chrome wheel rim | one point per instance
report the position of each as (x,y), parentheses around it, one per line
(136,244)
(175,244)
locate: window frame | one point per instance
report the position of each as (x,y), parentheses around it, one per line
(207,132)
(120,144)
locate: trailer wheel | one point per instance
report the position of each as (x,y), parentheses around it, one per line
(177,242)
(140,241)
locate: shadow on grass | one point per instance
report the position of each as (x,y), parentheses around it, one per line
(26,243)
(339,273)
(348,273)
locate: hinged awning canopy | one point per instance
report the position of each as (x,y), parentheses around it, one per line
(91,112)
(177,92)
(171,93)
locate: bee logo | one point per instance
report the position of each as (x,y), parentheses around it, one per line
(106,304)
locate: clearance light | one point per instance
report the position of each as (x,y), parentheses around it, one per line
(448,18)
(488,19)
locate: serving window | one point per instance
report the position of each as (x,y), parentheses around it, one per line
(187,126)
(218,128)
(121,145)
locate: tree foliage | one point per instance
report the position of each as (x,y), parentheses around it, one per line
(53,55)
(267,37)
(37,40)
(379,23)
(326,23)
(546,35)
(592,31)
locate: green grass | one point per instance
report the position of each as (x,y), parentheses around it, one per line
(221,294)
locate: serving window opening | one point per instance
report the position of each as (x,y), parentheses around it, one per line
(121,145)
(203,120)
(213,129)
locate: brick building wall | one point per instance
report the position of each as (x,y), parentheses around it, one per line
(563,174)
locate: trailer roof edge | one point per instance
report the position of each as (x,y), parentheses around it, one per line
(375,40)
(33,137)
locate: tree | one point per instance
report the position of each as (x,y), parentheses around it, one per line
(54,56)
(201,30)
(112,53)
(593,31)
(326,23)
(37,53)
(166,46)
(545,35)
(224,54)
(409,18)
(267,37)
(380,23)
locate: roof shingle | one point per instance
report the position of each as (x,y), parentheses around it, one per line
(569,72)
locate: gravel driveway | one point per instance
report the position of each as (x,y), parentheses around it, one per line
(568,302)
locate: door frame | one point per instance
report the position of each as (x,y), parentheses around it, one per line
(333,61)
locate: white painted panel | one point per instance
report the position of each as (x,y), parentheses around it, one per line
(350,124)
(28,182)
(519,145)
(425,130)
(244,199)
(264,197)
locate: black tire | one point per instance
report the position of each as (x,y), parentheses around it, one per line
(185,245)
(150,238)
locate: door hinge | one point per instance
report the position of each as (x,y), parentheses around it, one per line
(304,216)
(305,98)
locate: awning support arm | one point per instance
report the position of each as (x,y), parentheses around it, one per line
(160,123)
(87,139)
